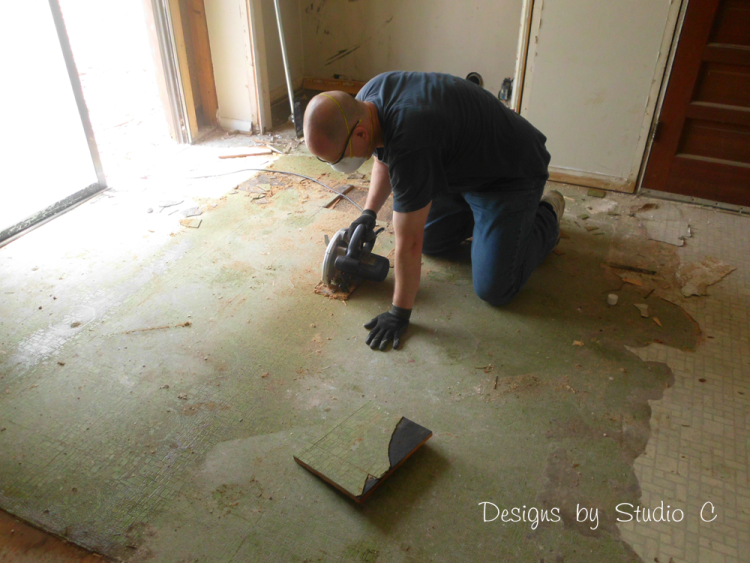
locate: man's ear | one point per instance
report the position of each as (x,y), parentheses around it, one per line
(362,134)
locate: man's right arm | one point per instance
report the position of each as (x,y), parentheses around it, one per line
(380,186)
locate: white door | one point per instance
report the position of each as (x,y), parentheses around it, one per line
(593,73)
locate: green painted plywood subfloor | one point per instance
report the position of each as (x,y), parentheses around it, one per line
(176,443)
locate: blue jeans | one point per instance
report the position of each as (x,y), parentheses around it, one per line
(513,233)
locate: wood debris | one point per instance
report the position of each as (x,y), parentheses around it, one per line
(181,325)
(250,152)
(634,281)
(644,309)
(631,268)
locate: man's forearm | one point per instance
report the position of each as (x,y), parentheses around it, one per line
(408,257)
(408,270)
(380,187)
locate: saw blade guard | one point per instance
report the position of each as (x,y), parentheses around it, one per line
(336,247)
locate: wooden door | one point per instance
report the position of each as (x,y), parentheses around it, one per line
(702,142)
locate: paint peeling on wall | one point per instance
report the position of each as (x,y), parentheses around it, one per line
(363,39)
(341,54)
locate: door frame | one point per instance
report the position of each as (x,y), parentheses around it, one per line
(183,127)
(260,64)
(531,24)
(662,95)
(167,28)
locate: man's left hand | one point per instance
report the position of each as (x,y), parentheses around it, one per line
(387,327)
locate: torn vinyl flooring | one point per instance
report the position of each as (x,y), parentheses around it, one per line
(176,443)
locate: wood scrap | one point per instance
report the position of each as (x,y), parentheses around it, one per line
(644,309)
(634,281)
(256,152)
(331,204)
(180,325)
(631,268)
(192,222)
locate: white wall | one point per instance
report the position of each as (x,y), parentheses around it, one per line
(231,54)
(450,36)
(424,35)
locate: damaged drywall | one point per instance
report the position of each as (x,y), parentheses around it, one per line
(362,39)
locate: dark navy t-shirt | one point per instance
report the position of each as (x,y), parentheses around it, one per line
(446,134)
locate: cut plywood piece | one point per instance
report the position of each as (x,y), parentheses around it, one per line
(694,278)
(363,450)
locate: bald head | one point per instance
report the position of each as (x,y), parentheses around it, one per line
(329,118)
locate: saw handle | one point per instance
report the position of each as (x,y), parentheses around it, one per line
(356,246)
(359,260)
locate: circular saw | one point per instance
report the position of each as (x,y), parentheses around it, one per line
(346,263)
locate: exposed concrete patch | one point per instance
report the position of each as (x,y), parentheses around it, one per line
(267,364)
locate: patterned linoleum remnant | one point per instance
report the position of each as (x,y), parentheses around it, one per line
(696,460)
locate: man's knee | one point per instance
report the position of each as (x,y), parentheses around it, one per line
(496,295)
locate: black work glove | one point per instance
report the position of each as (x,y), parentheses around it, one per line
(368,220)
(386,327)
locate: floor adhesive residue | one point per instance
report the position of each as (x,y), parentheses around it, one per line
(177,444)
